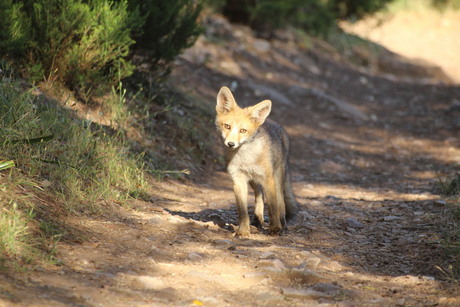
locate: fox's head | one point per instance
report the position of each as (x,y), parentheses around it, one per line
(238,125)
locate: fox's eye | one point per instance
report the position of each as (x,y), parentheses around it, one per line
(243,131)
(227,126)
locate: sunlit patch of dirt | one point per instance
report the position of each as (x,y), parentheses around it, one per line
(424,35)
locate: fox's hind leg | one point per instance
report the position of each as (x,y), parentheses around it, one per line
(279,180)
(258,219)
(273,201)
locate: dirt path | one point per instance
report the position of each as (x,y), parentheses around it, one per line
(366,152)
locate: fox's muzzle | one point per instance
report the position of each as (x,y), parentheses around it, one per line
(231,145)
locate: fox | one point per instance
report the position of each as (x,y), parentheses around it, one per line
(257,150)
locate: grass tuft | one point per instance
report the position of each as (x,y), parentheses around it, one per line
(77,164)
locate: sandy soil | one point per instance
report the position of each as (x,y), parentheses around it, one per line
(367,150)
(423,34)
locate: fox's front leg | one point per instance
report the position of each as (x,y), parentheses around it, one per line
(240,187)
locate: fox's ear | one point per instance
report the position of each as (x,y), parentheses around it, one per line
(260,111)
(225,101)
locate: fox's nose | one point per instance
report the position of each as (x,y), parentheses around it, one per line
(230,144)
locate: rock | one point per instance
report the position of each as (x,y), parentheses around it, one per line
(148,282)
(303,276)
(273,94)
(353,223)
(310,260)
(176,220)
(223,243)
(390,218)
(267,255)
(261,45)
(156,220)
(327,289)
(440,203)
(303,294)
(275,264)
(332,266)
(217,219)
(195,256)
(141,282)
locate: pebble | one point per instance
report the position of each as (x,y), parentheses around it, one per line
(195,256)
(267,255)
(326,288)
(275,264)
(302,276)
(304,294)
(223,242)
(390,218)
(141,282)
(261,45)
(353,223)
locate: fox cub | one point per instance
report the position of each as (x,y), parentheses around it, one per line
(257,154)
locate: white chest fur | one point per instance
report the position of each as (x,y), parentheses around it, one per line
(245,163)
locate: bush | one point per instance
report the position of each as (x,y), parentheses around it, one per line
(356,9)
(170,27)
(315,16)
(85,44)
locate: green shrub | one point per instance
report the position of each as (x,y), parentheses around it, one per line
(314,16)
(82,44)
(85,44)
(170,27)
(356,9)
(14,233)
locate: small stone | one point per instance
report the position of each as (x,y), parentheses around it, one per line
(302,276)
(275,264)
(147,282)
(305,294)
(440,203)
(223,242)
(267,255)
(390,218)
(195,256)
(261,45)
(353,223)
(310,260)
(332,266)
(327,289)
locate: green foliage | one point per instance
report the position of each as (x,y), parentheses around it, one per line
(450,186)
(315,16)
(85,44)
(356,9)
(14,233)
(14,28)
(446,4)
(170,27)
(82,164)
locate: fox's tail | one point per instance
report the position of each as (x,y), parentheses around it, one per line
(292,208)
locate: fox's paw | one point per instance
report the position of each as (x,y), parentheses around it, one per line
(275,230)
(243,232)
(257,223)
